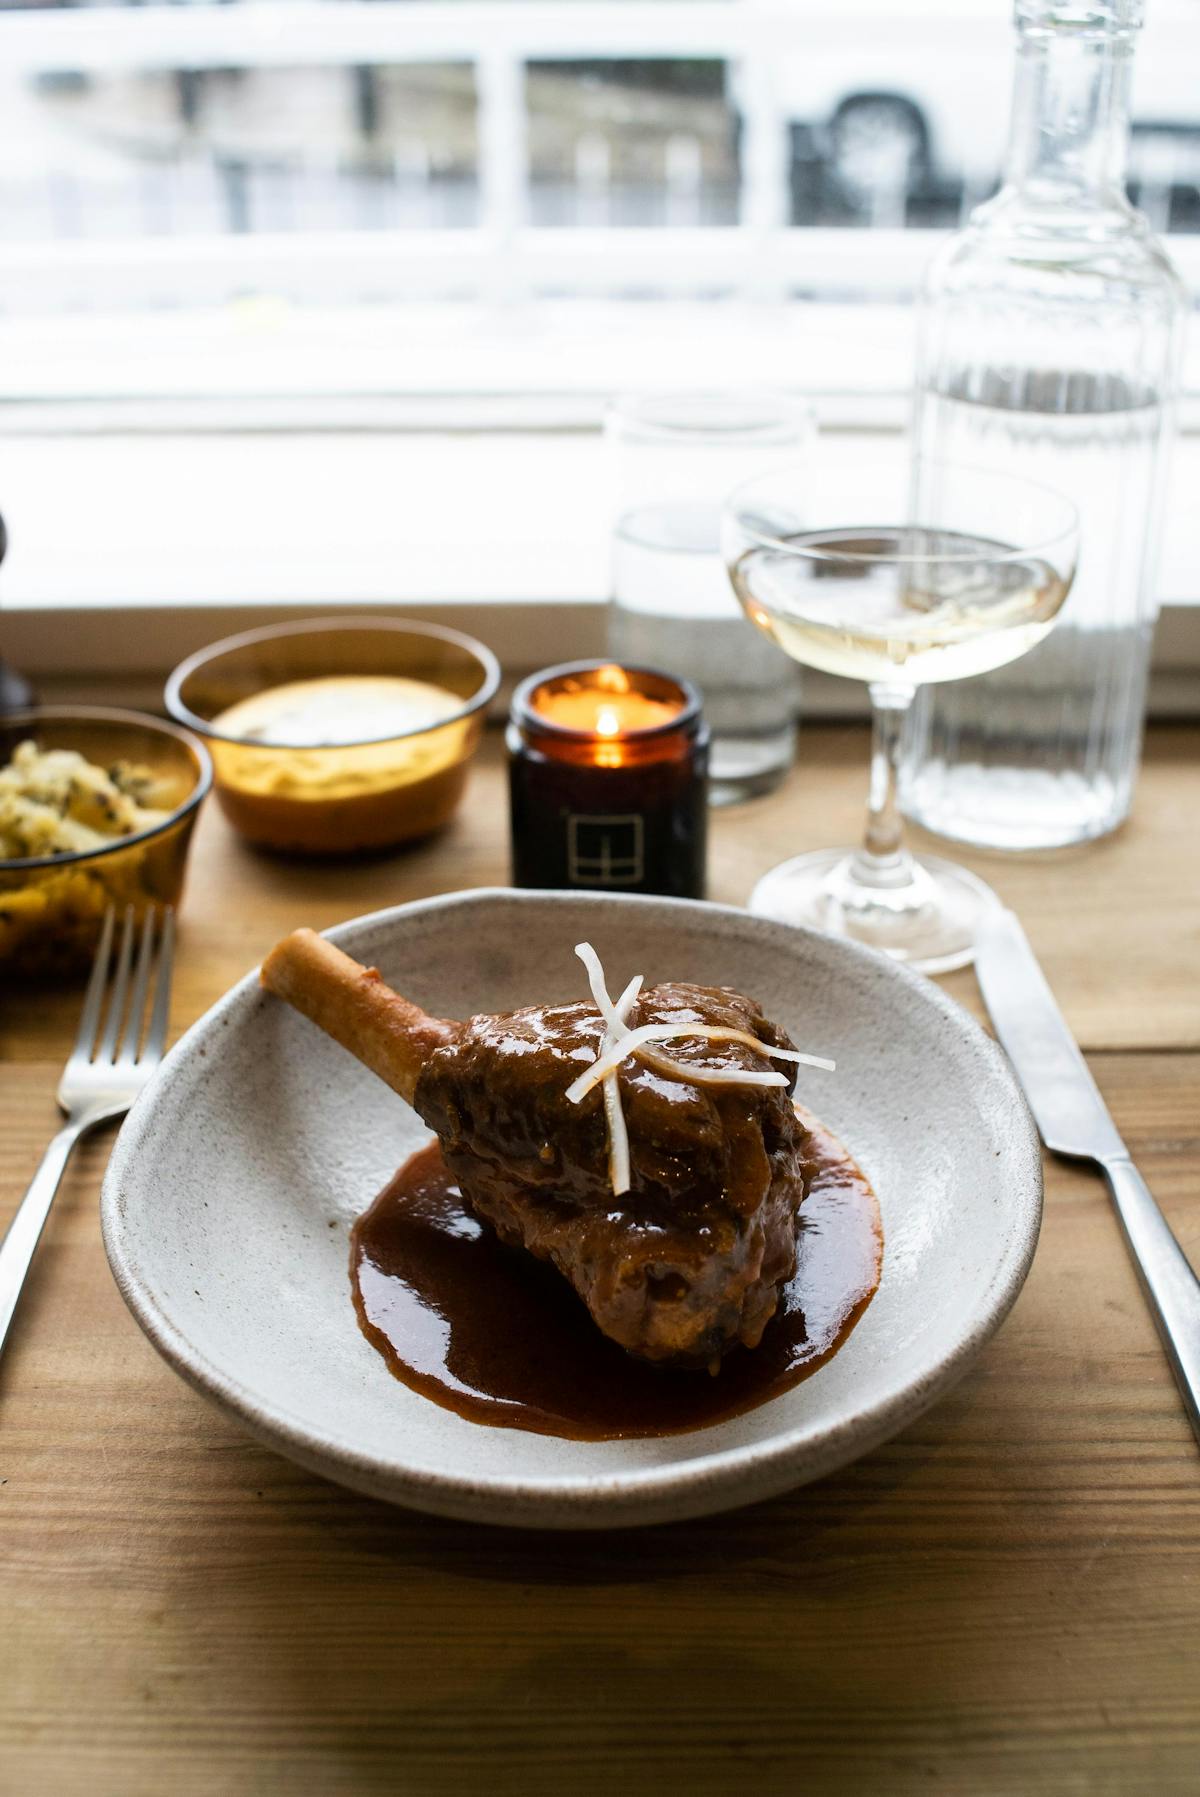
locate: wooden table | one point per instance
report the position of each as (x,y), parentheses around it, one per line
(1004,1598)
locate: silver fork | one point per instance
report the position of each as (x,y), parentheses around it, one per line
(109,1064)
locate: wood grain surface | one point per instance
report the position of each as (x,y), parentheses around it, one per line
(1005,1598)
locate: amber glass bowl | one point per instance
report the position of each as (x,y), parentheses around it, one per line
(346,797)
(52,906)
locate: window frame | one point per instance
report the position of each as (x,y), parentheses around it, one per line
(859,369)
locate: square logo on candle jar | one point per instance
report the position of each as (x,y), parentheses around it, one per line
(606,851)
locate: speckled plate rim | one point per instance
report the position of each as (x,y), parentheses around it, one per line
(695,1487)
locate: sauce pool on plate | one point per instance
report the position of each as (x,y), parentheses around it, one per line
(490,1332)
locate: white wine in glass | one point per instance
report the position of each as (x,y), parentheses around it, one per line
(853,580)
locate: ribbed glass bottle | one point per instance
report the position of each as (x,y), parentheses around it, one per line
(1048,347)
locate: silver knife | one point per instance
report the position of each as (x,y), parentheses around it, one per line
(1074,1120)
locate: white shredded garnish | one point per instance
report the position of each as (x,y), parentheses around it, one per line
(620,1172)
(632,1040)
(619,1042)
(685,1069)
(701,1075)
(637,1042)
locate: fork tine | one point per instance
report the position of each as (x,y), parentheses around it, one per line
(141,982)
(89,1017)
(106,1048)
(156,1035)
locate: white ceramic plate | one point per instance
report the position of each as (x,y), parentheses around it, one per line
(259,1134)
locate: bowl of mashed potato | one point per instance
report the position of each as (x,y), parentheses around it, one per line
(96,809)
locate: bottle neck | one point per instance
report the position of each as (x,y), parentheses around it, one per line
(1069,138)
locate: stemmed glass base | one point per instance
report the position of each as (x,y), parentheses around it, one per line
(928,918)
(926,913)
(901,588)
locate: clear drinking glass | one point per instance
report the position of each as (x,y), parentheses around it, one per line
(674,458)
(845,576)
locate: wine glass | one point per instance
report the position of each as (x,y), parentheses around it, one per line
(936,572)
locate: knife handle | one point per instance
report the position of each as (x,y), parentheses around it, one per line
(1168,1280)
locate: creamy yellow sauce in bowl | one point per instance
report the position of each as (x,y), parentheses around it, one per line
(340,759)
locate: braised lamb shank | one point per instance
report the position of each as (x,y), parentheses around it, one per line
(685,1264)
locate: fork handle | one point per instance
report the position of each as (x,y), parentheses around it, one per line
(24,1232)
(1167,1278)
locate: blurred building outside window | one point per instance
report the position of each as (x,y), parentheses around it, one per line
(370,152)
(424,217)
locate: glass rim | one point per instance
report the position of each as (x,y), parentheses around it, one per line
(1044,541)
(645,417)
(625,531)
(523,713)
(104,714)
(245,639)
(1096,19)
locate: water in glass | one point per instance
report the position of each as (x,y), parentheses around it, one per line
(673,608)
(1047,349)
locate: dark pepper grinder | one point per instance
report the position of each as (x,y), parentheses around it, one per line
(16,694)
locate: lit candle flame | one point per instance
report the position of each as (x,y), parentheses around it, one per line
(607,721)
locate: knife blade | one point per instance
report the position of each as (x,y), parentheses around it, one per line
(1073,1120)
(1063,1096)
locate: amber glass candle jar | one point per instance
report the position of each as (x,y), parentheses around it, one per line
(608,769)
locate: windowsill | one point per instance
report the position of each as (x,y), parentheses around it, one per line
(558,359)
(131,549)
(467,482)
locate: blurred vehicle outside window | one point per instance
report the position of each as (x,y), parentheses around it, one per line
(430,217)
(476,147)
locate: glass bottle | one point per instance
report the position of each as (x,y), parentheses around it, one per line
(1048,347)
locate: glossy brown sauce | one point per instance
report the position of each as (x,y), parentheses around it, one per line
(499,1337)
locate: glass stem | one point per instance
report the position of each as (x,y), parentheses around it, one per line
(883,862)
